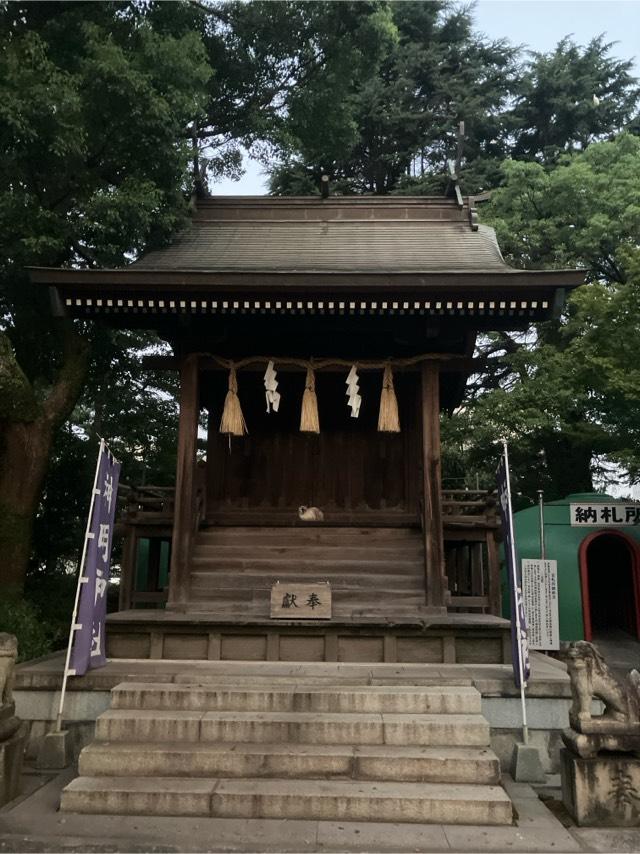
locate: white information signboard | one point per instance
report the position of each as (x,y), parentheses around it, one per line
(540,594)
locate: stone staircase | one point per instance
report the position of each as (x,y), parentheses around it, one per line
(327,752)
(369,569)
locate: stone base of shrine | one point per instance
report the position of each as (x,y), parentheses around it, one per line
(602,791)
(37,692)
(11,753)
(428,639)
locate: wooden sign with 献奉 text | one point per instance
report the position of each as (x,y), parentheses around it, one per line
(297,601)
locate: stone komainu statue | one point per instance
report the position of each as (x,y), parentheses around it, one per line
(8,654)
(591,679)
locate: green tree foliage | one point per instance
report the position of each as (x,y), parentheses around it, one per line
(571,97)
(570,388)
(436,73)
(94,108)
(282,71)
(440,72)
(25,621)
(136,409)
(106,110)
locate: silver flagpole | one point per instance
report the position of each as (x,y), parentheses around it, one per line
(541,509)
(514,581)
(81,580)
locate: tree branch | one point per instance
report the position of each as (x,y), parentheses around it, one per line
(18,401)
(64,394)
(85,253)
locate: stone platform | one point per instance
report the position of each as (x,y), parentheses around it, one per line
(38,684)
(34,823)
(411,636)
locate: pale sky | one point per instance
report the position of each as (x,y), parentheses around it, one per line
(538,24)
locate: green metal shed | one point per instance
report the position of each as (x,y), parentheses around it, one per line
(598,561)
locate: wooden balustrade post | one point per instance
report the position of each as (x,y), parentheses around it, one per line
(185,495)
(436,584)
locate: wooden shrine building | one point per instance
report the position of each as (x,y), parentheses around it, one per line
(403,283)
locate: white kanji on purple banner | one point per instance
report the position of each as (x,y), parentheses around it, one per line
(89,632)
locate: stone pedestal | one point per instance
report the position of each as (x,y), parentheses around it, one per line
(590,742)
(603,790)
(55,752)
(13,740)
(526,766)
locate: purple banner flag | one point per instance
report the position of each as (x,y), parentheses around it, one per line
(89,630)
(519,633)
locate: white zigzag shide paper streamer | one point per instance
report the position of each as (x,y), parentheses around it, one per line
(353,392)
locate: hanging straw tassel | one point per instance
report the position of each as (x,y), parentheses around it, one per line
(309,420)
(233,421)
(388,418)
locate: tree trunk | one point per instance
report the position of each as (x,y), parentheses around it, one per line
(23,466)
(26,437)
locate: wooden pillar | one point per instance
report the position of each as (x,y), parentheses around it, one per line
(493,574)
(436,586)
(185,497)
(128,568)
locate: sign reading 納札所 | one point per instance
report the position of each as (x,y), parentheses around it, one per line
(604,515)
(301,601)
(540,594)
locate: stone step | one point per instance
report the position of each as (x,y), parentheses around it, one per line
(293,727)
(347,800)
(358,699)
(366,762)
(319,680)
(329,800)
(139,796)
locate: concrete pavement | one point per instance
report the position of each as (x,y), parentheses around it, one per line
(33,824)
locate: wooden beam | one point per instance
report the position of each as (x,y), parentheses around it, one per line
(449,362)
(185,499)
(439,284)
(436,585)
(469,601)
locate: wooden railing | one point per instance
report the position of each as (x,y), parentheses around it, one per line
(460,507)
(148,504)
(469,508)
(147,512)
(470,527)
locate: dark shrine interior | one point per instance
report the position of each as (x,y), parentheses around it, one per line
(611,585)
